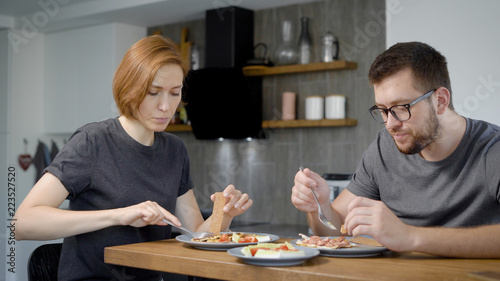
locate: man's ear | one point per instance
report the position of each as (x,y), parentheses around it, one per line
(443,99)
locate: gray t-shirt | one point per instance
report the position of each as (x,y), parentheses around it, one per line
(102,167)
(461,190)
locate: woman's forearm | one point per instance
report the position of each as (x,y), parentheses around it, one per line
(47,223)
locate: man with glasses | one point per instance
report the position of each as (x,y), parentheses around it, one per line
(430,181)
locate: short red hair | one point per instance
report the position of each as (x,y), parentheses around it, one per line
(138,68)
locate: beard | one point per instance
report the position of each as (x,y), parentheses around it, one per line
(421,140)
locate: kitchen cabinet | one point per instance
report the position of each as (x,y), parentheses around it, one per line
(289,69)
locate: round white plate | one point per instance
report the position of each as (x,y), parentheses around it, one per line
(221,246)
(359,251)
(268,261)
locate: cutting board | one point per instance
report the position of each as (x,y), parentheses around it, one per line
(185,46)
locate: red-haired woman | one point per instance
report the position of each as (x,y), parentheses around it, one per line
(122,176)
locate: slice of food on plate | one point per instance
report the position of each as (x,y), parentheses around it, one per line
(249,238)
(365,241)
(235,237)
(272,250)
(263,238)
(324,242)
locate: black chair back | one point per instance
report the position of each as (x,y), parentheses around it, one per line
(43,262)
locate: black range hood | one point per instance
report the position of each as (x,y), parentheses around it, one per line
(223,103)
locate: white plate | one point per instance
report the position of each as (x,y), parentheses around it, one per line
(354,252)
(282,261)
(221,246)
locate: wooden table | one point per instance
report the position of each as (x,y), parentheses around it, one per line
(176,257)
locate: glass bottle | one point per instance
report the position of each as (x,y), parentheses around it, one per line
(286,52)
(305,48)
(195,57)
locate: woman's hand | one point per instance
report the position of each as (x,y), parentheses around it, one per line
(145,213)
(236,202)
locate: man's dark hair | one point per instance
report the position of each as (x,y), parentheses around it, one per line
(428,66)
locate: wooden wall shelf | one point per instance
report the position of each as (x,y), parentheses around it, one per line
(179,128)
(309,123)
(274,124)
(295,68)
(298,68)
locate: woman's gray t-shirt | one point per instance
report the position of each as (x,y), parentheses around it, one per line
(460,190)
(102,167)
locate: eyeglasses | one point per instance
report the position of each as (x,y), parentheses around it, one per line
(400,111)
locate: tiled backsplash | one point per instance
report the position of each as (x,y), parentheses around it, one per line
(266,168)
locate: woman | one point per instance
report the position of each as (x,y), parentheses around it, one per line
(122,176)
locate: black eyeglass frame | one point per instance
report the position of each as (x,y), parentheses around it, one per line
(407,106)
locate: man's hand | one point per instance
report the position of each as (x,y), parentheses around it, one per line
(374,218)
(304,183)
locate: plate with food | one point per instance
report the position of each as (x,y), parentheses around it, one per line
(340,246)
(273,254)
(227,240)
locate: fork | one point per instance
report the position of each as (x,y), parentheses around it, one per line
(198,235)
(321,216)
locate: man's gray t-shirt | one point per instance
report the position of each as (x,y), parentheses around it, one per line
(460,190)
(102,167)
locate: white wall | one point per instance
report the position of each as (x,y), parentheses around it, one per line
(24,106)
(465,33)
(4,110)
(79,70)
(22,113)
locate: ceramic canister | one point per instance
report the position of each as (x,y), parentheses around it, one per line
(314,107)
(335,107)
(288,106)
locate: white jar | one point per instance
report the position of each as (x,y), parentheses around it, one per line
(335,107)
(314,107)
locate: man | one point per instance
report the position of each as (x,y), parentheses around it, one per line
(430,181)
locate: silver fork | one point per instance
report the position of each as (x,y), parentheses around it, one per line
(321,216)
(194,234)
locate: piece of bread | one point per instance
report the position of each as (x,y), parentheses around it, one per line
(217,213)
(365,241)
(343,230)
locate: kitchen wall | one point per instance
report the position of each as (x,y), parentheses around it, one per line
(265,168)
(460,28)
(23,121)
(27,75)
(4,110)
(461,31)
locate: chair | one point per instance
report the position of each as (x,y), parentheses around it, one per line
(43,262)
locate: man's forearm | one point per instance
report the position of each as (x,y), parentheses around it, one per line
(474,242)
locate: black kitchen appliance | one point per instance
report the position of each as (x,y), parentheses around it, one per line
(223,103)
(228,37)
